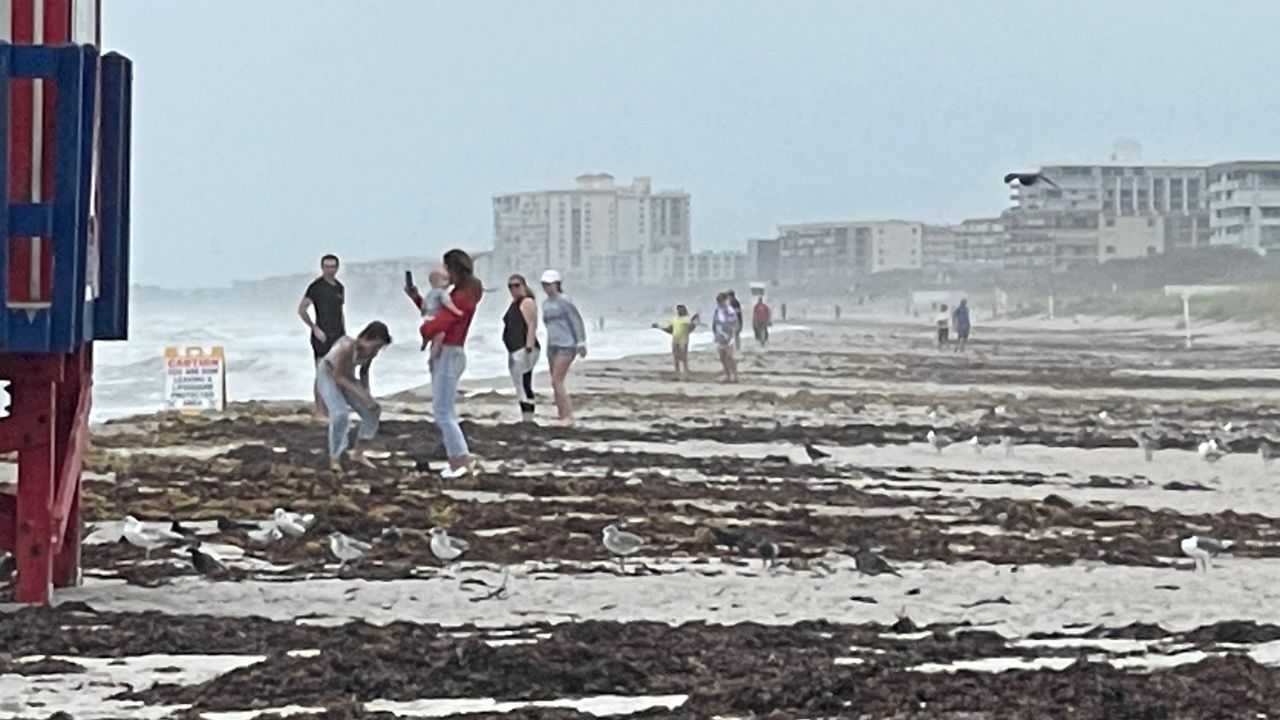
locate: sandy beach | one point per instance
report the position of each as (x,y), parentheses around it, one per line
(1037,560)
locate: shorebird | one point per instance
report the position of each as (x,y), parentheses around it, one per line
(265,535)
(346,548)
(814,453)
(768,551)
(1104,417)
(939,442)
(1203,549)
(869,563)
(1209,451)
(1267,452)
(621,543)
(203,562)
(293,524)
(1008,442)
(148,538)
(976,444)
(1146,445)
(446,548)
(1028,179)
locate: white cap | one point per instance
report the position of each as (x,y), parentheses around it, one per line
(550,276)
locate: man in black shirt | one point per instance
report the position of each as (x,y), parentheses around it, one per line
(327,296)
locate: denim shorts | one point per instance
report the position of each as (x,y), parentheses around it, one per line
(553,351)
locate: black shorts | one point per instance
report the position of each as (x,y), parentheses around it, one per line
(942,335)
(962,334)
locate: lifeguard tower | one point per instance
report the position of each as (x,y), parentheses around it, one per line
(64,258)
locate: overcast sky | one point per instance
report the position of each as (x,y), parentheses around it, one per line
(269,132)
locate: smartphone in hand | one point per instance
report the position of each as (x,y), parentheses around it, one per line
(408,279)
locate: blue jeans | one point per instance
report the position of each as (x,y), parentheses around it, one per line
(339,403)
(446,371)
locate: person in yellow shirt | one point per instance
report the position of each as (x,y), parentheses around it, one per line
(679,327)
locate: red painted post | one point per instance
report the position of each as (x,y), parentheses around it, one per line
(33,544)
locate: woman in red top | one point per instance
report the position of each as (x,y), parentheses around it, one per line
(450,330)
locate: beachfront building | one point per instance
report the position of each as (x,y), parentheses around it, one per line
(1130,236)
(937,247)
(979,243)
(842,250)
(668,268)
(1244,204)
(596,233)
(1062,227)
(762,259)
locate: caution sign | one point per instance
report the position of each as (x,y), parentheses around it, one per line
(195,381)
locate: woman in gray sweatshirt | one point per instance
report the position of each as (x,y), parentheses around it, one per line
(566,340)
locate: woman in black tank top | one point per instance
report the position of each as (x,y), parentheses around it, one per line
(520,336)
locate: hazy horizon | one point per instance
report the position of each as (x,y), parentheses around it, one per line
(266,134)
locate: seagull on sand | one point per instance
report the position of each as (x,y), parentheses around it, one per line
(768,551)
(203,562)
(621,543)
(939,442)
(814,453)
(293,524)
(976,444)
(446,548)
(1146,445)
(1008,442)
(265,535)
(1209,451)
(1203,549)
(869,563)
(346,548)
(1267,452)
(148,538)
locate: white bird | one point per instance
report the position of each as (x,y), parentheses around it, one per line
(347,548)
(1203,549)
(265,535)
(1209,451)
(938,441)
(446,548)
(293,524)
(148,538)
(1267,452)
(1146,445)
(1007,442)
(621,543)
(1104,417)
(975,444)
(1228,427)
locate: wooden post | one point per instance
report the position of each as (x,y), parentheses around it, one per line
(1186,316)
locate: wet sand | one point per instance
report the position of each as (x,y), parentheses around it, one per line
(1040,581)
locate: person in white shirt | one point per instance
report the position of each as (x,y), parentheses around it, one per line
(943,322)
(725,325)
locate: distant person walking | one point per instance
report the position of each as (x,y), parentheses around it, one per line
(960,321)
(566,340)
(761,319)
(679,327)
(520,336)
(725,326)
(450,330)
(737,308)
(943,324)
(327,296)
(343,390)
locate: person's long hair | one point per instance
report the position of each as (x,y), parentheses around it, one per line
(462,271)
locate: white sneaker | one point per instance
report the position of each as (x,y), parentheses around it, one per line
(452,473)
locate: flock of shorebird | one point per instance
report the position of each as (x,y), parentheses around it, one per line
(621,544)
(343,547)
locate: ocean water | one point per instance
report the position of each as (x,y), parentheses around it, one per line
(269,357)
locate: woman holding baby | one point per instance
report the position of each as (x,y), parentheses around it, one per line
(447,319)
